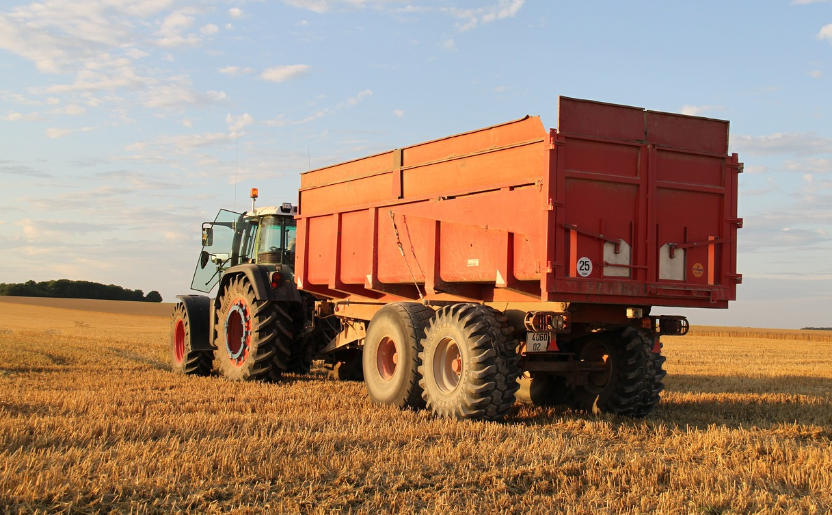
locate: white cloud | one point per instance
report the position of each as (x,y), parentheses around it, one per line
(209,30)
(236,123)
(471,18)
(816,74)
(20,117)
(171,30)
(449,45)
(71,110)
(698,110)
(806,2)
(398,113)
(826,33)
(235,12)
(235,70)
(57,133)
(284,73)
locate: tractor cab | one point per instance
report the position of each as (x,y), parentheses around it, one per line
(263,235)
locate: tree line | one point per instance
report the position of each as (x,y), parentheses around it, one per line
(66,289)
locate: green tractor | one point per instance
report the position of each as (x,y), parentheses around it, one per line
(259,325)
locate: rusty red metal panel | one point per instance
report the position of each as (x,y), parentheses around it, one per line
(687,132)
(599,120)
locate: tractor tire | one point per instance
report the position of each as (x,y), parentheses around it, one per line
(185,360)
(300,358)
(390,356)
(630,383)
(550,390)
(248,337)
(285,342)
(469,364)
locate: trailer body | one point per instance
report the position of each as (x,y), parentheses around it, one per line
(617,206)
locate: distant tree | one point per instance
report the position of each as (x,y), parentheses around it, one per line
(66,289)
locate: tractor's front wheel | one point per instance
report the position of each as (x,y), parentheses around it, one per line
(184,359)
(248,339)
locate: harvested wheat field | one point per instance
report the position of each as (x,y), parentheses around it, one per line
(92,421)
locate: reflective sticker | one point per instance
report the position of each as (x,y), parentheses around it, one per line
(473,262)
(584,267)
(698,270)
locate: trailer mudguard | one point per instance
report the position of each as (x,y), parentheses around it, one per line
(258,276)
(198,310)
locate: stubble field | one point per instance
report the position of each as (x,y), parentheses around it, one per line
(92,421)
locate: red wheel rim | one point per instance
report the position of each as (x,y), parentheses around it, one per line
(387,358)
(238,332)
(179,341)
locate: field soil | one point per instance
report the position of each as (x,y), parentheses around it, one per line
(93,421)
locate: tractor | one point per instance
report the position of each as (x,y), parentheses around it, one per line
(259,325)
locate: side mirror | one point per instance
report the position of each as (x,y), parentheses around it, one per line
(207,236)
(204,258)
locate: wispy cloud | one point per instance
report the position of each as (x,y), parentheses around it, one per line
(18,169)
(284,73)
(283,121)
(20,117)
(796,144)
(472,18)
(234,71)
(693,110)
(826,33)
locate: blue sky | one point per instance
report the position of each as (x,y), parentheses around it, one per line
(125,124)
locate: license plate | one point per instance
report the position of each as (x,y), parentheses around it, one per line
(537,342)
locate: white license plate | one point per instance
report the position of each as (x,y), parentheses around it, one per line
(537,342)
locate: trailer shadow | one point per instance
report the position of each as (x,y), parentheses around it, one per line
(702,402)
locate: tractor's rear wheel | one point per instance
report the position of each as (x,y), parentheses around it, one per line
(469,364)
(391,354)
(185,360)
(248,338)
(631,378)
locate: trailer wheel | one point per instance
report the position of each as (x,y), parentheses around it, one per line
(185,360)
(248,337)
(391,354)
(469,363)
(630,381)
(654,376)
(550,390)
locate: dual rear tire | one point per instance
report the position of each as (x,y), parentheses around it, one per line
(459,362)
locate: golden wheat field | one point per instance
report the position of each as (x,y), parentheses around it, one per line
(93,421)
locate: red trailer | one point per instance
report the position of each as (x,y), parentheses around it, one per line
(555,244)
